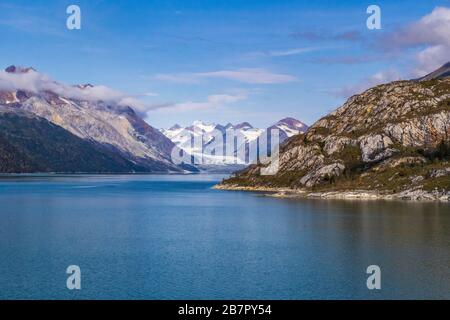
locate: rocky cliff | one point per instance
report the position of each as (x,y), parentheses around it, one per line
(391,138)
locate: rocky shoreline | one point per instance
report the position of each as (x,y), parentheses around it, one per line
(416,194)
(389,142)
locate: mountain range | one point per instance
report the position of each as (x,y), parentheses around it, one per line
(185,137)
(50,127)
(47,126)
(391,140)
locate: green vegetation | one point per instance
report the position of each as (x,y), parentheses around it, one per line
(352,159)
(438,86)
(364,176)
(369,113)
(390,179)
(286,179)
(442,151)
(321,131)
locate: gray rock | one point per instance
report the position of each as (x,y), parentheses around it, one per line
(436,173)
(423,130)
(393,163)
(419,194)
(376,147)
(334,144)
(321,174)
(416,179)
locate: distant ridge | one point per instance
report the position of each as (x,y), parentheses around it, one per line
(441,73)
(183,138)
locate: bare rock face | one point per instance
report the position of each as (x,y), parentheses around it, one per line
(421,130)
(395,162)
(335,144)
(325,173)
(376,147)
(390,130)
(437,173)
(301,158)
(416,179)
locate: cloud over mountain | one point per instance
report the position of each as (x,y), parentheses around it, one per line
(212,102)
(28,79)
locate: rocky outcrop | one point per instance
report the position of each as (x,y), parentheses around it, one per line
(325,173)
(335,144)
(376,147)
(395,162)
(385,138)
(421,130)
(437,173)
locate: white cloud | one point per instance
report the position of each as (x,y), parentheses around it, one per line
(430,35)
(212,102)
(432,29)
(430,59)
(244,75)
(282,53)
(184,78)
(290,52)
(37,82)
(432,32)
(250,75)
(150,94)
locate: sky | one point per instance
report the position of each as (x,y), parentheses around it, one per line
(229,60)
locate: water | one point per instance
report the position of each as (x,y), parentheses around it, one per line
(173,237)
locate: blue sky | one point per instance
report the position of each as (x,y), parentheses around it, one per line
(227,61)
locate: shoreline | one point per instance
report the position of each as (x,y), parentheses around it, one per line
(286,193)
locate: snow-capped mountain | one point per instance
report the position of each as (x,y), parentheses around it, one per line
(83,112)
(289,127)
(200,138)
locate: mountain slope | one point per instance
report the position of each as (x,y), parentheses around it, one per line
(110,124)
(32,144)
(441,73)
(288,127)
(391,138)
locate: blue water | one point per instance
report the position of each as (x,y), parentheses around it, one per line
(173,237)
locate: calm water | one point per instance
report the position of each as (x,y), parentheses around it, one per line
(173,237)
